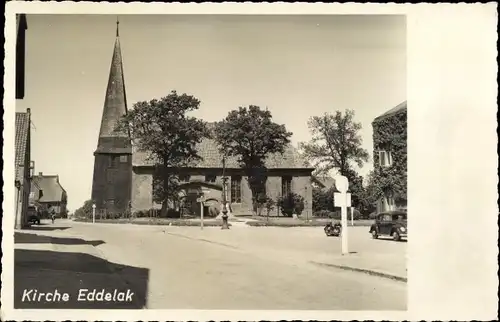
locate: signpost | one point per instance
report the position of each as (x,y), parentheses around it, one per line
(93,213)
(343,200)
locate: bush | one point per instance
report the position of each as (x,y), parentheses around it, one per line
(324,214)
(291,204)
(84,211)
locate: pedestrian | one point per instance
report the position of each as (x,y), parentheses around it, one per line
(53,216)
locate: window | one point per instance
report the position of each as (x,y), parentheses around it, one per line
(123,158)
(387,218)
(286,186)
(210,178)
(184,178)
(112,161)
(236,189)
(385,158)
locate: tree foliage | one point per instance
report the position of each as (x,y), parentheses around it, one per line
(250,135)
(84,211)
(163,129)
(291,204)
(336,143)
(390,134)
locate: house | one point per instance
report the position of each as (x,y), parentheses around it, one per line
(123,176)
(23,167)
(48,194)
(390,157)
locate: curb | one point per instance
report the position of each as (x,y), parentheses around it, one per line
(365,271)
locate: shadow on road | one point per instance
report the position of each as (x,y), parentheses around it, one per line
(24,238)
(45,227)
(78,275)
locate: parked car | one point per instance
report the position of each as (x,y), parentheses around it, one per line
(390,223)
(33,215)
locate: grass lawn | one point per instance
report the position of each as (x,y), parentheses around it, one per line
(301,222)
(158,221)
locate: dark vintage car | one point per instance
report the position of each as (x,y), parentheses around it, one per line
(33,216)
(390,223)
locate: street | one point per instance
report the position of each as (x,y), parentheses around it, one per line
(241,268)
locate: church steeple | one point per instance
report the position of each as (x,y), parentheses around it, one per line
(115,103)
(112,178)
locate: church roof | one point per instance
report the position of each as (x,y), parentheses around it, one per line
(22,131)
(115,103)
(212,158)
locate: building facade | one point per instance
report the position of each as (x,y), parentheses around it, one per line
(390,157)
(48,195)
(286,173)
(23,167)
(123,179)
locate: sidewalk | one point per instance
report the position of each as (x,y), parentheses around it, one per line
(56,262)
(383,265)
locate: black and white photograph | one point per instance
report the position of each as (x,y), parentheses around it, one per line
(211,162)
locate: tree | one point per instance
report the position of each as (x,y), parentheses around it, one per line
(163,129)
(84,211)
(250,135)
(336,144)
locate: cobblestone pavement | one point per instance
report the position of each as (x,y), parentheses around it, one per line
(243,268)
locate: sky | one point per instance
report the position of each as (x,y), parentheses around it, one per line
(296,65)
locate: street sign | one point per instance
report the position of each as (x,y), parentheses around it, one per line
(341,183)
(342,199)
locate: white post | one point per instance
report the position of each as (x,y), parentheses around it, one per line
(345,248)
(342,199)
(93,213)
(201,203)
(352,216)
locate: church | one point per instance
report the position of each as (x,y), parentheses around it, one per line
(123,175)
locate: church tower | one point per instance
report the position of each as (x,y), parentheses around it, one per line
(112,180)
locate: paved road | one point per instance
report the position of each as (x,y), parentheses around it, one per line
(246,268)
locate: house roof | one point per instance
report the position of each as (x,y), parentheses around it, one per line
(393,111)
(22,131)
(51,188)
(325,181)
(212,158)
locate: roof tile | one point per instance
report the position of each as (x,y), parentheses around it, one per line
(22,131)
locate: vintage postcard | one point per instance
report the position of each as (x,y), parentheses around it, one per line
(241,162)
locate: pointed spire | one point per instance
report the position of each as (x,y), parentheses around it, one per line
(117,27)
(115,103)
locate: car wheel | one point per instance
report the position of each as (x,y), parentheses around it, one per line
(374,234)
(395,236)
